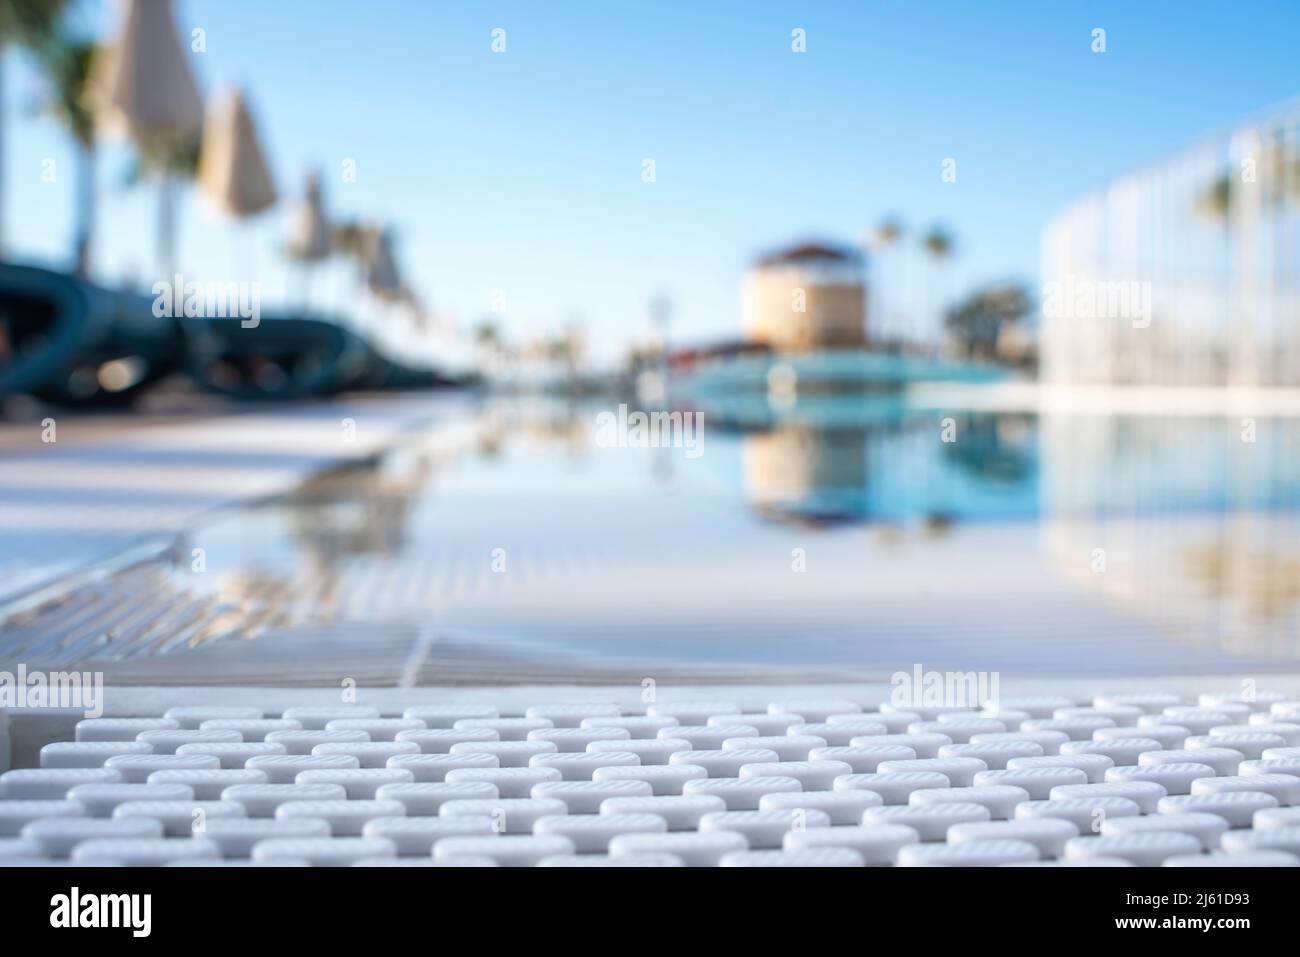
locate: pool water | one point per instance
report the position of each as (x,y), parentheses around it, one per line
(847,536)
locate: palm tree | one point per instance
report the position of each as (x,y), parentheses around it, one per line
(347,242)
(487,337)
(562,350)
(348,239)
(30,23)
(976,323)
(938,244)
(661,314)
(370,250)
(68,64)
(885,237)
(888,231)
(166,160)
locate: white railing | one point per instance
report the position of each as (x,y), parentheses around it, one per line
(1209,240)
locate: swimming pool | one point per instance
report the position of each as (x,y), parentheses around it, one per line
(847,537)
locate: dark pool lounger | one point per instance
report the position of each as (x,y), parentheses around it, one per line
(69,341)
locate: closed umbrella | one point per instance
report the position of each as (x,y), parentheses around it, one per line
(233,175)
(150,94)
(149,88)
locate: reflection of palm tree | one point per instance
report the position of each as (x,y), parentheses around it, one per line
(1216,201)
(1270,591)
(68,63)
(985,451)
(323,520)
(1275,175)
(28,22)
(1223,200)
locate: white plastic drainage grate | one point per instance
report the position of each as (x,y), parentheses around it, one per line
(1125,779)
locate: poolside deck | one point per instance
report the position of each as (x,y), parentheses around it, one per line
(108,482)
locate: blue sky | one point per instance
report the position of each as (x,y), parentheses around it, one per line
(522,171)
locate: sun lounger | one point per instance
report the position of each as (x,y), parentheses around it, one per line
(279,358)
(71,342)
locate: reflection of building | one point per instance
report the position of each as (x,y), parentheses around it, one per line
(806,298)
(797,471)
(1183,273)
(825,470)
(1181,520)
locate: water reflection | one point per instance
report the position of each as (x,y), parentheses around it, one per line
(938,468)
(1194,521)
(1001,540)
(1190,521)
(800,473)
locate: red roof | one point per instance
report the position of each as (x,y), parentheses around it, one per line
(811,251)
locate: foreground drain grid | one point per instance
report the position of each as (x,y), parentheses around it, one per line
(129,612)
(135,622)
(1122,780)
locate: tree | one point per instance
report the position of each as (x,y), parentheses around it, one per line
(976,323)
(938,245)
(661,314)
(885,238)
(68,64)
(348,239)
(938,242)
(487,337)
(28,23)
(167,160)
